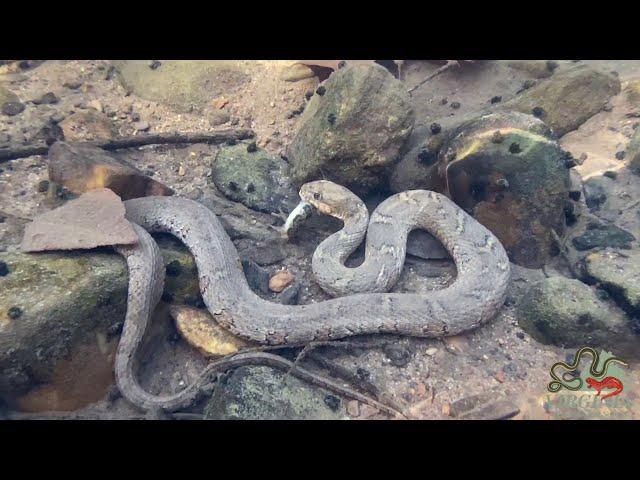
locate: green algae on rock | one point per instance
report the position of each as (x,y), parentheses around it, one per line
(568,313)
(262,393)
(355,131)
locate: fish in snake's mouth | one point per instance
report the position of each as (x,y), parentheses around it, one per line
(297,217)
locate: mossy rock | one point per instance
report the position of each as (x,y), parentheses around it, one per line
(262,393)
(568,313)
(255,178)
(353,129)
(569,98)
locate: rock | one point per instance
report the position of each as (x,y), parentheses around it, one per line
(600,235)
(281,280)
(296,72)
(7,95)
(566,312)
(595,192)
(73,84)
(58,354)
(257,277)
(183,84)
(355,131)
(12,108)
(48,98)
(88,125)
(632,153)
(218,117)
(617,274)
(290,295)
(95,219)
(81,168)
(397,354)
(201,331)
(519,194)
(262,393)
(535,68)
(569,98)
(141,126)
(424,245)
(256,179)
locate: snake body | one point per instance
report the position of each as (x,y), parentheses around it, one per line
(558,383)
(471,300)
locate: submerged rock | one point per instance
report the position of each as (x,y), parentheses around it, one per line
(254,178)
(618,274)
(632,153)
(262,393)
(7,95)
(569,98)
(535,68)
(355,131)
(601,235)
(88,125)
(80,168)
(568,313)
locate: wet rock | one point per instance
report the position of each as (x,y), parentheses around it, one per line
(520,195)
(296,72)
(95,219)
(7,95)
(569,98)
(256,179)
(257,277)
(290,295)
(566,312)
(354,133)
(595,192)
(218,117)
(399,355)
(73,84)
(252,393)
(182,84)
(618,274)
(535,68)
(201,331)
(48,98)
(281,280)
(601,235)
(81,168)
(632,153)
(88,125)
(12,108)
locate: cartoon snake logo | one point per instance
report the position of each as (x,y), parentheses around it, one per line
(575,383)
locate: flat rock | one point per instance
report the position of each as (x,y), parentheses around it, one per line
(603,235)
(88,125)
(566,312)
(81,168)
(255,178)
(618,274)
(7,95)
(632,153)
(262,393)
(353,129)
(569,98)
(94,219)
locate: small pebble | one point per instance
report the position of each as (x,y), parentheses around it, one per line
(431,351)
(331,118)
(281,280)
(252,147)
(12,108)
(332,402)
(496,99)
(514,148)
(48,98)
(308,94)
(620,155)
(4,269)
(141,126)
(497,137)
(436,128)
(537,112)
(154,64)
(455,105)
(14,312)
(611,174)
(321,90)
(43,186)
(72,85)
(443,101)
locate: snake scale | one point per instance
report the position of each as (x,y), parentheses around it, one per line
(474,298)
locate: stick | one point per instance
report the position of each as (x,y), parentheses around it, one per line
(215,137)
(443,68)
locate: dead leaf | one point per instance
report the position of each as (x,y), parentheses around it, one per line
(219,102)
(94,219)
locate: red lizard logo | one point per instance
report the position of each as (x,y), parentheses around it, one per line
(607,382)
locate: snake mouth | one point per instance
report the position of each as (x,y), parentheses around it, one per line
(297,216)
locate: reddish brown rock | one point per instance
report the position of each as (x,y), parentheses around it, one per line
(88,125)
(95,219)
(81,168)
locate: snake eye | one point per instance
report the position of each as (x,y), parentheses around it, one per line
(316,196)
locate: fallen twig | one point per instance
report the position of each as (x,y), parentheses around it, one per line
(218,136)
(444,68)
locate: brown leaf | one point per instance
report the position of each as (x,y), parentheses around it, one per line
(94,219)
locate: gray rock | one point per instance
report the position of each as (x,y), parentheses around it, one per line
(256,179)
(566,312)
(595,192)
(632,153)
(48,98)
(569,98)
(257,277)
(7,95)
(601,235)
(12,108)
(355,131)
(618,274)
(262,393)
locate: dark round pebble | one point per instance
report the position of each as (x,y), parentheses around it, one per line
(4,269)
(342,64)
(155,64)
(497,137)
(308,94)
(43,186)
(15,312)
(72,85)
(514,148)
(496,99)
(455,105)
(12,108)
(620,155)
(611,174)
(321,90)
(251,188)
(48,98)
(252,147)
(537,112)
(443,101)
(174,268)
(331,118)
(332,402)
(397,354)
(436,128)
